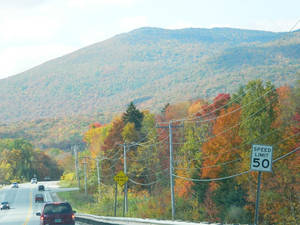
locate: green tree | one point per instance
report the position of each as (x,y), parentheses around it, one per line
(129,133)
(258,112)
(227,196)
(147,166)
(18,154)
(19,160)
(133,115)
(258,115)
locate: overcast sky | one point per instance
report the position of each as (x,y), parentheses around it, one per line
(35,31)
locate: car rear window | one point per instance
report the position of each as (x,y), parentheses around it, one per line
(57,208)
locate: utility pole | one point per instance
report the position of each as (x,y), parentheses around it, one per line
(85,174)
(116,199)
(98,175)
(125,203)
(257,199)
(125,187)
(171,170)
(85,179)
(76,166)
(170,126)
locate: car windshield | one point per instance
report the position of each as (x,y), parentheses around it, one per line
(57,208)
(4,203)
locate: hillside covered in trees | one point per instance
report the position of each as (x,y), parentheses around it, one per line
(151,67)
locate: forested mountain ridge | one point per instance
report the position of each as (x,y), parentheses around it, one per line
(150,66)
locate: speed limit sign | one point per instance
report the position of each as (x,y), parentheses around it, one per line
(261,158)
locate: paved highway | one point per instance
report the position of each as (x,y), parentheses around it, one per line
(23,206)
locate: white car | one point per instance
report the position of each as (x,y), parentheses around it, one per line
(4,205)
(15,185)
(34,181)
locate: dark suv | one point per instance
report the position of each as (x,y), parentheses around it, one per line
(41,188)
(57,213)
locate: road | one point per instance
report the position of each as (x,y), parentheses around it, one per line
(23,207)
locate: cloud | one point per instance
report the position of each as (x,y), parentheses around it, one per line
(18,59)
(89,3)
(20,3)
(181,25)
(92,36)
(275,25)
(33,24)
(130,23)
(26,28)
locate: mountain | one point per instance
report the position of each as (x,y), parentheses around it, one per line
(151,67)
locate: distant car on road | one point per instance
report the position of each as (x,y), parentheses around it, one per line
(57,213)
(4,205)
(15,185)
(47,178)
(41,187)
(39,198)
(34,181)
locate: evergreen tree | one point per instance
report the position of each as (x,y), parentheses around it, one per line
(133,115)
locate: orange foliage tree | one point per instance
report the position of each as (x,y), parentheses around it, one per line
(223,146)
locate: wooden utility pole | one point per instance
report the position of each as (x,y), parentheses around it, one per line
(76,166)
(170,126)
(125,187)
(85,173)
(98,176)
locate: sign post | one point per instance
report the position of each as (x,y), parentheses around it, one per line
(261,161)
(116,199)
(121,179)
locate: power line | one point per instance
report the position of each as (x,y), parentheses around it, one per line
(287,154)
(212,166)
(225,163)
(154,173)
(279,142)
(239,123)
(229,102)
(161,141)
(293,27)
(145,184)
(235,175)
(212,179)
(211,112)
(140,142)
(207,114)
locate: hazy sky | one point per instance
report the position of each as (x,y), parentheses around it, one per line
(34,31)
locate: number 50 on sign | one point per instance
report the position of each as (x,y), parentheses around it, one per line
(261,158)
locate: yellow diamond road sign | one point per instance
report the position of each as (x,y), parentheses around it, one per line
(121,178)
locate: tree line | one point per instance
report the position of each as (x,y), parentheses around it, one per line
(213,141)
(20,162)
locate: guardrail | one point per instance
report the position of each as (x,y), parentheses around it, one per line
(103,220)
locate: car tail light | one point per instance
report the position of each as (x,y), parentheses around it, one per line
(42,217)
(73,217)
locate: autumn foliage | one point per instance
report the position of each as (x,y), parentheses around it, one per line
(211,139)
